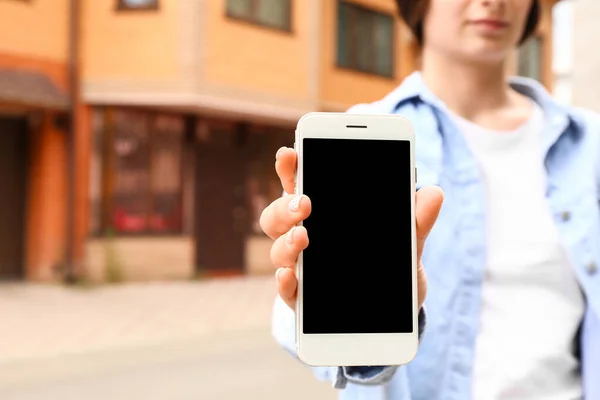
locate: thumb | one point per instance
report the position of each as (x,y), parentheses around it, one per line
(427,208)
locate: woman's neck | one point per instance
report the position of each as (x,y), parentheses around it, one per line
(466,88)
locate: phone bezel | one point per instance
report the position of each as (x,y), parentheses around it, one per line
(356,349)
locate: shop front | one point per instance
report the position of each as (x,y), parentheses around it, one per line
(178,196)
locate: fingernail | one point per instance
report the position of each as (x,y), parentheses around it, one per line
(289,238)
(277,273)
(279,152)
(294,204)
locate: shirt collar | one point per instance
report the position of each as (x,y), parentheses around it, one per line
(557,115)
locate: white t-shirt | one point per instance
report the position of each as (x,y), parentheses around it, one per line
(532,305)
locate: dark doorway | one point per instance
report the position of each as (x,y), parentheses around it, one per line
(13,167)
(221,215)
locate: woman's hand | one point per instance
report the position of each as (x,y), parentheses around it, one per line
(279,221)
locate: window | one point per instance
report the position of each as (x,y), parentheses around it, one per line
(95,189)
(365,40)
(141,173)
(269,13)
(530,59)
(137,4)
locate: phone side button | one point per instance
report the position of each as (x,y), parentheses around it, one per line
(416,178)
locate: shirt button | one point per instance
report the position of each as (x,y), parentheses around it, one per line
(565,215)
(592,268)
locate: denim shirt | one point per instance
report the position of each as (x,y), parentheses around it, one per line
(455,253)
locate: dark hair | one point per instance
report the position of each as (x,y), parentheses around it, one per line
(413,12)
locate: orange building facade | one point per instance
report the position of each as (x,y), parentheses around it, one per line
(148,152)
(34,117)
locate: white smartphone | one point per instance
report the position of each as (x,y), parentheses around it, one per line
(357,279)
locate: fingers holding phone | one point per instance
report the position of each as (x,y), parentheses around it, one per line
(285,165)
(285,252)
(286,248)
(283,214)
(279,221)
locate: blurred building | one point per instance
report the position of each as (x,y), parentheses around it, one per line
(35,109)
(137,137)
(563,44)
(584,79)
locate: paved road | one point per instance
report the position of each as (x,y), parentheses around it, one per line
(47,320)
(242,365)
(160,341)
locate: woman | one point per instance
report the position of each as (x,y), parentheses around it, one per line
(513,304)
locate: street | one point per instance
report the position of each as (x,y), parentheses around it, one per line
(225,353)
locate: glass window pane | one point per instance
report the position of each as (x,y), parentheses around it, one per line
(343,36)
(239,8)
(166,176)
(95,190)
(274,13)
(530,59)
(139,3)
(384,45)
(131,147)
(364,41)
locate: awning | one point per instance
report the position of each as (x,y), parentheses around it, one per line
(32,89)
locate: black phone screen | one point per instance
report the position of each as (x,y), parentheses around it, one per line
(357,267)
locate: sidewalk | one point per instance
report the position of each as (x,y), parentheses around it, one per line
(41,321)
(174,340)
